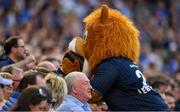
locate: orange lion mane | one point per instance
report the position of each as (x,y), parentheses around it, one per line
(110,34)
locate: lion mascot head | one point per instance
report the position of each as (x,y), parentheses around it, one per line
(108,34)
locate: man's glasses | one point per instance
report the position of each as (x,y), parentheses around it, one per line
(21,47)
(41,70)
(59,72)
(16,80)
(9,86)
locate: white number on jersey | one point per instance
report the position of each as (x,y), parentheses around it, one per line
(145,88)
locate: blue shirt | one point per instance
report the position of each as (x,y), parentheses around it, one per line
(5,61)
(11,101)
(70,103)
(123,86)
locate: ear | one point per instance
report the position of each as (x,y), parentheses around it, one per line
(104,13)
(31,106)
(13,49)
(74,89)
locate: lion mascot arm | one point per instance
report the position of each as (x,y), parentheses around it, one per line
(74,60)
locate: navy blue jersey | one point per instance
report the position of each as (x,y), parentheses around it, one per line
(5,61)
(124,87)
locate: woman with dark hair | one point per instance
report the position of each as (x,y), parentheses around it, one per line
(32,99)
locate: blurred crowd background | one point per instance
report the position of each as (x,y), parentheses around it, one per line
(47,26)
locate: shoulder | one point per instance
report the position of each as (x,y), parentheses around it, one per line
(64,107)
(5,61)
(114,63)
(15,94)
(66,104)
(69,104)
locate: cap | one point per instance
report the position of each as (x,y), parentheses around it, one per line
(4,81)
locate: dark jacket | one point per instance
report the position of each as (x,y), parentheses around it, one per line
(5,61)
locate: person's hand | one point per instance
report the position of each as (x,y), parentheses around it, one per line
(25,62)
(30,59)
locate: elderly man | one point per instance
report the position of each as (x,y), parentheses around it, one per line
(79,92)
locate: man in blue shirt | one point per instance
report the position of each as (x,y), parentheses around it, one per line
(6,61)
(79,92)
(15,53)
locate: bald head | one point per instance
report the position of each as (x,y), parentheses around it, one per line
(48,65)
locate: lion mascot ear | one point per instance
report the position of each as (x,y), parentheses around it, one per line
(96,96)
(104,13)
(73,59)
(109,33)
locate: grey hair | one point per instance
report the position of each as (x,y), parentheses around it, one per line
(71,80)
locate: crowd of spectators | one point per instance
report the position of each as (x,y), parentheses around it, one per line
(47,27)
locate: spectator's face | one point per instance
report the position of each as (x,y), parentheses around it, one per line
(40,81)
(39,107)
(20,50)
(170,101)
(1,94)
(16,76)
(7,90)
(83,88)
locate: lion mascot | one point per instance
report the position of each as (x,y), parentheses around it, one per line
(111,47)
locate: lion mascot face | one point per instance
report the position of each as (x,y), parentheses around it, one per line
(73,60)
(109,34)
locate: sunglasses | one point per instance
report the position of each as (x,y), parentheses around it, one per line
(42,93)
(59,72)
(9,86)
(16,80)
(53,101)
